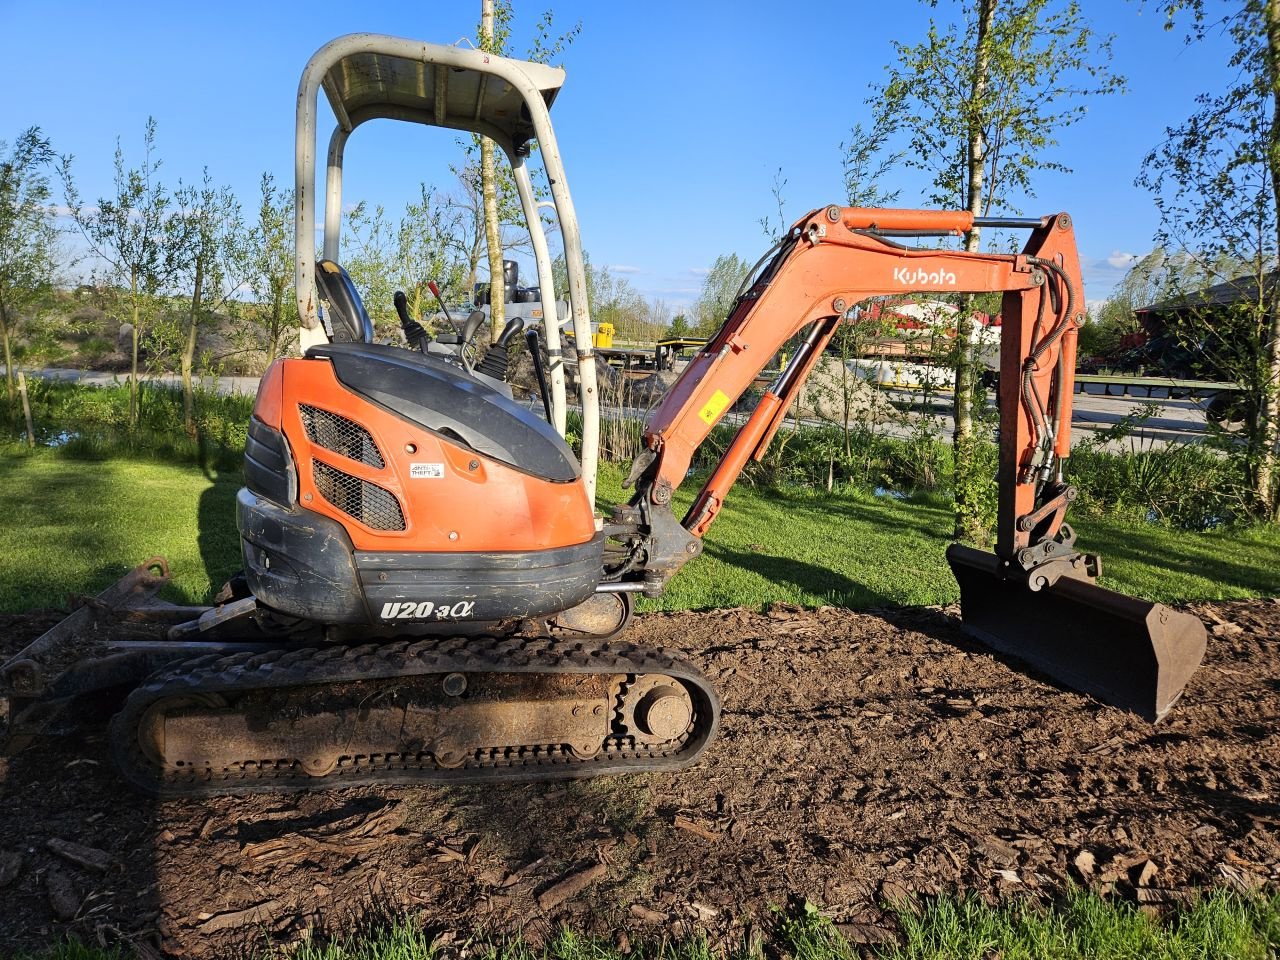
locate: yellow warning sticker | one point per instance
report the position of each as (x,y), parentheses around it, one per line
(717,405)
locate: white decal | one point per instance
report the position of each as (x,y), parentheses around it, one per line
(420,610)
(924,278)
(426,471)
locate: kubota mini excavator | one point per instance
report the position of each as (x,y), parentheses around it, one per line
(428,594)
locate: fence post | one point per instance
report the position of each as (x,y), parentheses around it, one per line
(26,410)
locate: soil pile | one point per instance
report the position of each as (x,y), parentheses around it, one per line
(863,757)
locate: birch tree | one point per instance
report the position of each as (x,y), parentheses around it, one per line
(128,233)
(492,42)
(214,258)
(28,236)
(977,106)
(1216,180)
(271,276)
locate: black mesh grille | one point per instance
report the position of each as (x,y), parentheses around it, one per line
(367,502)
(337,433)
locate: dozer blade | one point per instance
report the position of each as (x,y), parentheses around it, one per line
(1124,651)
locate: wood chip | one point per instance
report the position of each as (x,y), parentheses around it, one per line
(366,834)
(523,872)
(647,915)
(10,867)
(702,911)
(1084,864)
(1010,875)
(894,893)
(1147,874)
(868,933)
(62,894)
(83,856)
(998,851)
(256,915)
(690,825)
(570,886)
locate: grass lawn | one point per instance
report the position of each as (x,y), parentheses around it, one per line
(858,550)
(74,526)
(1223,926)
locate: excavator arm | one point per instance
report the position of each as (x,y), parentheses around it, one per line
(832,260)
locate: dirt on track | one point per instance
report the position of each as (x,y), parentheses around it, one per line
(863,757)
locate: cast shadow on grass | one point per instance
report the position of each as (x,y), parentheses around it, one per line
(217,537)
(1208,556)
(810,578)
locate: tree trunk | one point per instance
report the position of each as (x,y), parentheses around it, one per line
(967,521)
(189,354)
(26,411)
(273,329)
(8,352)
(489,189)
(133,360)
(1269,414)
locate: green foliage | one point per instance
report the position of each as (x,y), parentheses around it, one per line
(866,163)
(133,234)
(1216,182)
(719,290)
(78,421)
(423,252)
(1086,927)
(679,327)
(612,299)
(28,237)
(72,948)
(1028,76)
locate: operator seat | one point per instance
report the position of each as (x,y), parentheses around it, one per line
(348,319)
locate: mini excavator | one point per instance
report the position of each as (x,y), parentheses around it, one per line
(428,594)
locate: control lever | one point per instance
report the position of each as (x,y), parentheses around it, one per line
(435,292)
(534,340)
(414,332)
(470,326)
(513,328)
(494,362)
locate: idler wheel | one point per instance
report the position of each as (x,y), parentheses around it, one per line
(664,712)
(319,766)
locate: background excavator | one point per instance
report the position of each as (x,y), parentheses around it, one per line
(428,593)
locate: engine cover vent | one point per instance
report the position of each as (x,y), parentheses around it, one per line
(367,502)
(335,432)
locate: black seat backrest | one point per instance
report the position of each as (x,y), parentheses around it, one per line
(347,316)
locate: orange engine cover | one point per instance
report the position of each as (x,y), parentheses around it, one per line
(397,486)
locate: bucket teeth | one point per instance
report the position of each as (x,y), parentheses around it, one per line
(1126,652)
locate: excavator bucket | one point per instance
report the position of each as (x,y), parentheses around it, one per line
(1124,651)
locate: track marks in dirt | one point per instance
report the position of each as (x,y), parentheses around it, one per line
(863,757)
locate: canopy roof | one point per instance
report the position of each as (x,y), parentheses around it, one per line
(366,81)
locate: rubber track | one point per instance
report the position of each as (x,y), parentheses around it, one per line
(278,669)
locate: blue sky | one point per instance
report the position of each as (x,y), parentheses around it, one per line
(673,121)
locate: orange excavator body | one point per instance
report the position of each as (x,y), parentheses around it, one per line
(451,497)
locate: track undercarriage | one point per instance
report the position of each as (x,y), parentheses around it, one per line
(237,714)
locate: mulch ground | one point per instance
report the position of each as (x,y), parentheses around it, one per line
(863,757)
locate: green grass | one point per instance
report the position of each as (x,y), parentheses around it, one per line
(1221,926)
(858,550)
(73,526)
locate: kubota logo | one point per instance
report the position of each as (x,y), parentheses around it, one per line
(924,278)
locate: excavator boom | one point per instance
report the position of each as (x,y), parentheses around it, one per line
(1125,651)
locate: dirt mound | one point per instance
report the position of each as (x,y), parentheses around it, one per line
(832,389)
(863,757)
